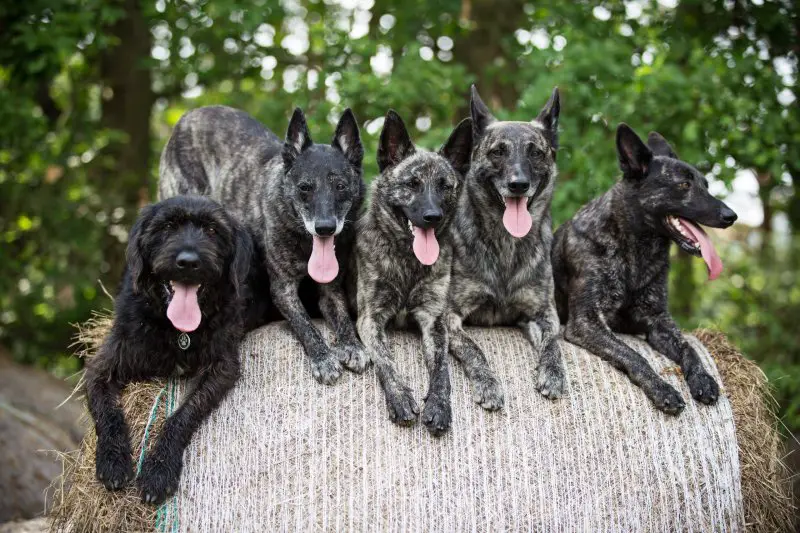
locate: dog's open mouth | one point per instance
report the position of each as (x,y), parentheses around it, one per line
(516,218)
(692,239)
(183,309)
(426,246)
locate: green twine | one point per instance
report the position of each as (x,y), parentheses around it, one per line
(169,507)
(146,435)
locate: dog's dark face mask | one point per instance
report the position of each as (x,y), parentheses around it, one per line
(184,248)
(672,196)
(421,187)
(323,184)
(514,161)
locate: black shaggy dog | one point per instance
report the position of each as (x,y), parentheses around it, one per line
(181,309)
(611,263)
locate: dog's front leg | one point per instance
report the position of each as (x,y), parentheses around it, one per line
(486,389)
(161,469)
(325,366)
(663,335)
(589,331)
(348,348)
(400,402)
(542,332)
(437,413)
(113,457)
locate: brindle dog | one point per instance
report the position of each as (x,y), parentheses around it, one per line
(404,256)
(611,264)
(501,246)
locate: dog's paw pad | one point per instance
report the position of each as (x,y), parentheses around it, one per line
(488,393)
(352,356)
(114,471)
(703,387)
(667,399)
(326,370)
(551,382)
(436,415)
(403,409)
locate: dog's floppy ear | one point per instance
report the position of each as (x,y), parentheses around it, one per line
(481,116)
(298,138)
(548,117)
(395,143)
(659,145)
(347,139)
(634,156)
(242,257)
(458,147)
(134,252)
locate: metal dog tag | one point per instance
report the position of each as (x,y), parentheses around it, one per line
(184,341)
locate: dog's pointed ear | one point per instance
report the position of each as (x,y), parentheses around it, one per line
(395,143)
(298,138)
(659,145)
(458,147)
(134,253)
(634,156)
(347,138)
(548,117)
(242,257)
(481,116)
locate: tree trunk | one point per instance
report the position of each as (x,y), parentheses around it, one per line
(492,24)
(765,186)
(126,108)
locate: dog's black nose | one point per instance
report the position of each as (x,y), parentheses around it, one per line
(325,227)
(432,215)
(728,216)
(519,186)
(188,260)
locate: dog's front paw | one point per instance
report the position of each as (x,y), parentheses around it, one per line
(487,392)
(703,387)
(437,414)
(551,381)
(352,355)
(403,410)
(326,368)
(159,477)
(114,466)
(666,398)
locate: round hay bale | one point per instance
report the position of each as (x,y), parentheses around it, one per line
(285,453)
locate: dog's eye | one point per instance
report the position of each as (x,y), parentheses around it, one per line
(305,187)
(497,151)
(534,151)
(340,186)
(685,185)
(211,230)
(414,183)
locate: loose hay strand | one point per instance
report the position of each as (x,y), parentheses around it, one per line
(766,480)
(81,503)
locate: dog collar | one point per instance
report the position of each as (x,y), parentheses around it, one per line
(184,341)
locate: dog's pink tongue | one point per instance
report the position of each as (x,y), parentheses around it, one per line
(322,266)
(183,310)
(516,219)
(710,256)
(426,247)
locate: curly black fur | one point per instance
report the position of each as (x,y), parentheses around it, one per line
(143,343)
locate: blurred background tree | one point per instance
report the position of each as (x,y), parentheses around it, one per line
(90,89)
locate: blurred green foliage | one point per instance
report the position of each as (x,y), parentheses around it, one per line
(89,91)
